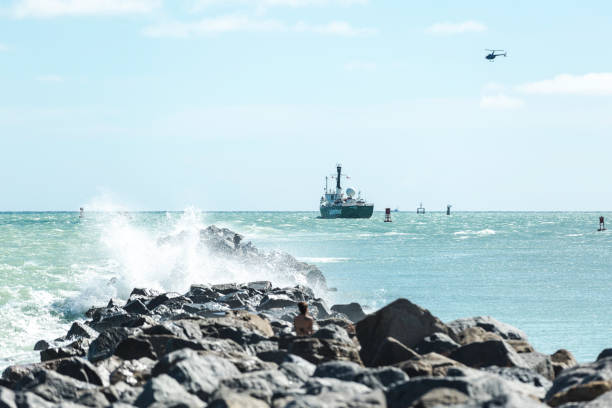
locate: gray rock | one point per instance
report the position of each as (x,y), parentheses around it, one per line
(523,375)
(504,401)
(428,365)
(274,301)
(260,384)
(75,349)
(605,353)
(391,352)
(562,359)
(477,385)
(133,348)
(540,363)
(7,398)
(437,343)
(77,368)
(375,378)
(319,309)
(132,372)
(136,306)
(352,310)
(198,374)
(164,391)
(104,345)
(489,324)
(262,286)
(488,353)
(41,345)
(52,386)
(402,320)
(230,399)
(333,332)
(341,370)
(318,351)
(327,399)
(297,372)
(581,383)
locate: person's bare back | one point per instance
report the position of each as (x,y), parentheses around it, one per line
(303,322)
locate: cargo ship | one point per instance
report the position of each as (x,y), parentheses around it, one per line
(335,204)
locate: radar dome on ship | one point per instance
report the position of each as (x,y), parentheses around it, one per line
(350,192)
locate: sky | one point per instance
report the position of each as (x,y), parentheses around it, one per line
(249,104)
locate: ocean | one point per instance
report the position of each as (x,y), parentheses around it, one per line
(548,273)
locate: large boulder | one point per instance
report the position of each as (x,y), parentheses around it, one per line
(352,310)
(260,384)
(581,383)
(476,334)
(489,324)
(478,386)
(402,320)
(320,350)
(488,353)
(375,378)
(52,386)
(540,363)
(605,353)
(165,391)
(197,373)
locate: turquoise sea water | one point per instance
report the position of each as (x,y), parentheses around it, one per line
(546,273)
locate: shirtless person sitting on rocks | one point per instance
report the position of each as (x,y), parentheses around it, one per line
(303,322)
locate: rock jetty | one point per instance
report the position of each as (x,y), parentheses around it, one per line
(232,345)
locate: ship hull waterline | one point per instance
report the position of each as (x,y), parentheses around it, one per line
(346,211)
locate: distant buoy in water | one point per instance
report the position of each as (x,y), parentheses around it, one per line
(82,211)
(448,207)
(388,215)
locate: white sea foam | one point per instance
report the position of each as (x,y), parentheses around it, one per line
(139,258)
(480,233)
(316,260)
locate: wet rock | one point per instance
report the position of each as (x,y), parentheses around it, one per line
(391,352)
(274,301)
(165,391)
(344,323)
(202,294)
(605,354)
(581,383)
(489,324)
(319,309)
(262,286)
(163,298)
(220,346)
(352,310)
(437,343)
(31,400)
(225,288)
(402,320)
(428,365)
(136,307)
(77,368)
(488,353)
(75,349)
(144,292)
(133,348)
(104,345)
(79,330)
(562,359)
(41,345)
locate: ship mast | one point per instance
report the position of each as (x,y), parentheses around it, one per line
(339,168)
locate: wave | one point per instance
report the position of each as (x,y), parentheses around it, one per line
(317,260)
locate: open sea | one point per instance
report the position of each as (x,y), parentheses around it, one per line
(549,273)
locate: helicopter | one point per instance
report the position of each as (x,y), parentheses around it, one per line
(491,56)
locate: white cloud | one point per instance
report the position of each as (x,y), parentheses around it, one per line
(49,78)
(225,24)
(587,84)
(200,4)
(360,66)
(456,28)
(57,8)
(500,101)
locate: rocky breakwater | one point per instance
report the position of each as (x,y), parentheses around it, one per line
(232,345)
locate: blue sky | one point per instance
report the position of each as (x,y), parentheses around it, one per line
(248,104)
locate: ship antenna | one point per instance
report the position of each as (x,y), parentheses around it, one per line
(339,168)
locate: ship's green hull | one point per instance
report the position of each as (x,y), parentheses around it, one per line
(347,211)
